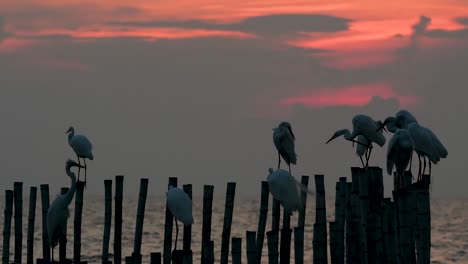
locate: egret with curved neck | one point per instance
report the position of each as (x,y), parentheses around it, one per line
(58,214)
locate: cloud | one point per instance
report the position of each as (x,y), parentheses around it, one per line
(462,21)
(270,24)
(419,29)
(3,33)
(356,95)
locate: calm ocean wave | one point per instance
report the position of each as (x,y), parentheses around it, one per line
(449,228)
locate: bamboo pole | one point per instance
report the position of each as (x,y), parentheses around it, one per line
(364,180)
(355,238)
(424,221)
(376,189)
(340,216)
(228,210)
(140,219)
(209,252)
(275,215)
(207,211)
(18,193)
(351,227)
(168,226)
(298,245)
(77,222)
(404,227)
(285,241)
(8,213)
(264,197)
(334,240)
(272,238)
(236,250)
(63,239)
(389,253)
(118,219)
(187,246)
(251,247)
(107,219)
(45,208)
(155,258)
(31,220)
(319,241)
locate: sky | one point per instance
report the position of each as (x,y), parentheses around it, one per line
(192,89)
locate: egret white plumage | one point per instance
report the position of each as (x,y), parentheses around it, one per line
(426,143)
(284,188)
(82,148)
(283,138)
(361,148)
(399,153)
(180,206)
(58,214)
(365,126)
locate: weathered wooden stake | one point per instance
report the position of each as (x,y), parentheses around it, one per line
(118,219)
(352,252)
(207,211)
(18,193)
(31,220)
(272,238)
(236,250)
(319,241)
(155,258)
(140,218)
(107,219)
(405,225)
(334,240)
(168,224)
(228,209)
(7,226)
(77,222)
(251,247)
(285,241)
(45,208)
(340,216)
(364,179)
(209,252)
(424,221)
(389,253)
(262,219)
(63,239)
(298,245)
(275,214)
(187,246)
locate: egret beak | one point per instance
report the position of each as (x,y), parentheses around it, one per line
(332,138)
(382,126)
(68,131)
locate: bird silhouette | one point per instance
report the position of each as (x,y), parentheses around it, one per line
(365,126)
(361,147)
(58,213)
(180,206)
(284,188)
(82,148)
(399,153)
(283,138)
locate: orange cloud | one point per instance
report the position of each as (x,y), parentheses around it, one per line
(358,95)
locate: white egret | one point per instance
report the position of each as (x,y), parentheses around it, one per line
(283,138)
(365,126)
(82,148)
(399,153)
(361,148)
(283,187)
(180,206)
(58,214)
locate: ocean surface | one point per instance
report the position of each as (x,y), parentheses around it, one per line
(449,227)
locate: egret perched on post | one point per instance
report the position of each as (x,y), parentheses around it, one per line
(180,206)
(426,143)
(283,138)
(399,153)
(361,148)
(283,187)
(82,147)
(58,214)
(365,126)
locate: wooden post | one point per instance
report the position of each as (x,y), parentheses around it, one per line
(45,208)
(31,220)
(404,227)
(272,238)
(168,224)
(319,241)
(236,250)
(298,245)
(118,219)
(334,240)
(77,222)
(63,239)
(388,232)
(207,210)
(209,252)
(364,179)
(375,249)
(155,258)
(262,219)
(340,216)
(18,193)
(107,219)
(228,209)
(187,246)
(352,254)
(424,221)
(7,226)
(285,242)
(275,214)
(140,218)
(376,189)
(356,235)
(251,247)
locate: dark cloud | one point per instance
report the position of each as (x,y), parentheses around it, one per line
(462,20)
(271,24)
(127,11)
(442,33)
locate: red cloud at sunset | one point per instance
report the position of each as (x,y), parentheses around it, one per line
(358,95)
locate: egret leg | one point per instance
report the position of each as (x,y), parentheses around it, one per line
(410,162)
(289,165)
(424,170)
(430,169)
(177,234)
(368,156)
(79,167)
(279,160)
(85,169)
(362,161)
(419,171)
(52,254)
